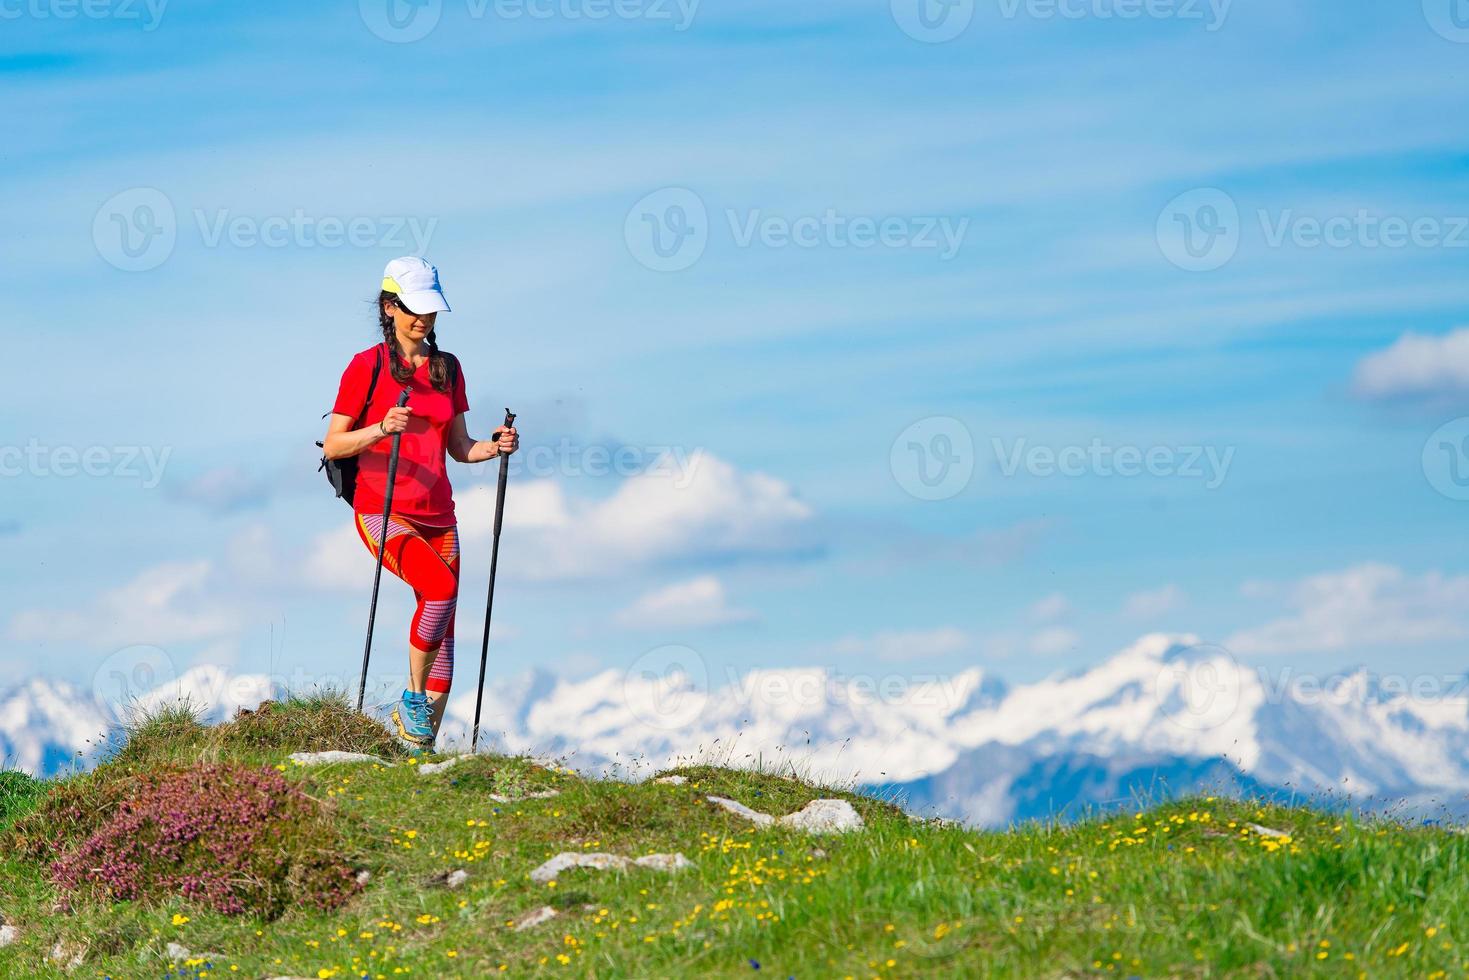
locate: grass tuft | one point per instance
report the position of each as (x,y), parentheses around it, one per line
(159,733)
(19,794)
(315,722)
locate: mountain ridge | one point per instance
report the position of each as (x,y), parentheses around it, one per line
(966,746)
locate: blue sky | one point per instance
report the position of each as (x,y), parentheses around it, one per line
(533,148)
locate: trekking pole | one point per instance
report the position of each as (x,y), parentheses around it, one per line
(382,546)
(484,644)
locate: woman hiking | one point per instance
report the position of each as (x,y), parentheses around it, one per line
(422,539)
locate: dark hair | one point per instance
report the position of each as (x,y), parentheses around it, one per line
(438,361)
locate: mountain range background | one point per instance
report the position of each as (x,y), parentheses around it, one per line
(1164,716)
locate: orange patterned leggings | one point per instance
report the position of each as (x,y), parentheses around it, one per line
(427,558)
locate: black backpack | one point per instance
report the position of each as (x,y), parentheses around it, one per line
(342,473)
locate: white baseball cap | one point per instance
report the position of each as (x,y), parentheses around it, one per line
(416,283)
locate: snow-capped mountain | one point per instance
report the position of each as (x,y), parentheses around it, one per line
(1164,715)
(47,726)
(50,726)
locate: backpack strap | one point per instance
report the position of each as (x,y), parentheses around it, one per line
(377,369)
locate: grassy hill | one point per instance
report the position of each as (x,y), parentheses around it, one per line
(271,855)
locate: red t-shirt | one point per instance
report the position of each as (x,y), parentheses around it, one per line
(421,491)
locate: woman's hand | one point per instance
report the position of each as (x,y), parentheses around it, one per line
(507,440)
(395,421)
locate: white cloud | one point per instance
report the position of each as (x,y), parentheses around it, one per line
(338,560)
(172,602)
(707,511)
(1054,640)
(1416,365)
(901,645)
(1367,605)
(1152,603)
(698,602)
(1051,608)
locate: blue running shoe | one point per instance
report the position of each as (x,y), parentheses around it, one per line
(412,718)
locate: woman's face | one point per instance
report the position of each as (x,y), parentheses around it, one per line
(414,326)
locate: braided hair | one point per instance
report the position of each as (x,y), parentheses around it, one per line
(438,361)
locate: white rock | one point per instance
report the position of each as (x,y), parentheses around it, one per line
(544,794)
(1267,831)
(824,817)
(456,878)
(430,768)
(664,862)
(534,918)
(175,951)
(740,810)
(672,780)
(8,934)
(325,758)
(576,859)
(68,955)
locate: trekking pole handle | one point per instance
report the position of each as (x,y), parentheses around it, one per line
(509,419)
(403,397)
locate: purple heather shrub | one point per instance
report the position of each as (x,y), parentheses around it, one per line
(238,839)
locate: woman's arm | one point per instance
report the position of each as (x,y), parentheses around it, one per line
(463,449)
(341,441)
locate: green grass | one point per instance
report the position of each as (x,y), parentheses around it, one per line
(1184,889)
(19,794)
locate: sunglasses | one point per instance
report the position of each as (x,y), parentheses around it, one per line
(399,304)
